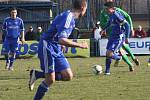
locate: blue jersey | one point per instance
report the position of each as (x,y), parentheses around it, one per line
(119,25)
(119,29)
(61,27)
(49,50)
(13,27)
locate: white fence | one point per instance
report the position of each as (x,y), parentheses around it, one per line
(137,45)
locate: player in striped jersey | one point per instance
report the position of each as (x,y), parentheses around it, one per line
(104,16)
(120,29)
(53,62)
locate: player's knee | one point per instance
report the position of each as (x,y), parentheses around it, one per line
(49,79)
(109,53)
(67,77)
(49,82)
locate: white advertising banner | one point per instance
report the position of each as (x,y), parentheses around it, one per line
(137,45)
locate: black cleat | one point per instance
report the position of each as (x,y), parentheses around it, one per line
(131,69)
(136,61)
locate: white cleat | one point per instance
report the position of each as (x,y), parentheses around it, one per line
(11,68)
(107,73)
(32,79)
(7,65)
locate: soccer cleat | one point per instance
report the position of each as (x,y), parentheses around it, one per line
(32,79)
(11,68)
(7,65)
(116,63)
(136,61)
(107,73)
(131,69)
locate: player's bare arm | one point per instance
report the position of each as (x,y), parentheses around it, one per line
(69,43)
(22,38)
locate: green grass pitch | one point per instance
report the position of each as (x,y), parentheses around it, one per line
(120,85)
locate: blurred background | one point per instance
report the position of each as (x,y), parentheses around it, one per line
(37,13)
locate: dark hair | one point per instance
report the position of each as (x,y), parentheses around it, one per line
(77,4)
(13,8)
(109,4)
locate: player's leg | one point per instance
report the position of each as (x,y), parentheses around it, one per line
(111,45)
(129,51)
(7,61)
(116,64)
(109,56)
(47,65)
(35,74)
(124,57)
(62,69)
(5,51)
(126,60)
(13,49)
(62,74)
(44,86)
(12,59)
(108,62)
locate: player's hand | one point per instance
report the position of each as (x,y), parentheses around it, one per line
(63,48)
(132,33)
(84,45)
(102,32)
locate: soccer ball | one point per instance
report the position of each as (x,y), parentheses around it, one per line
(97,69)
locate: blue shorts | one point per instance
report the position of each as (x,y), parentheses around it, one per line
(10,46)
(114,44)
(51,57)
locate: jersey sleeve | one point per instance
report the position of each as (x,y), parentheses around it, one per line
(127,29)
(119,16)
(4,25)
(65,30)
(127,16)
(22,25)
(64,34)
(4,28)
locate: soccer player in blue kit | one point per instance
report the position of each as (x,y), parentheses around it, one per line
(13,28)
(52,60)
(120,30)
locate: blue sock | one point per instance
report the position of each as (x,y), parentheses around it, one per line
(108,62)
(39,74)
(12,59)
(58,77)
(42,89)
(116,57)
(7,60)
